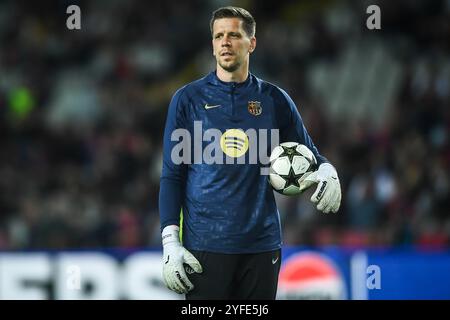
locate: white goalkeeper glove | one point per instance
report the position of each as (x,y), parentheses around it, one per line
(328,193)
(174,258)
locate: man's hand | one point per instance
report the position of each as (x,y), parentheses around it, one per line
(174,258)
(328,193)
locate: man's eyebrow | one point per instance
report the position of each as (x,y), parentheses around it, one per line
(229,32)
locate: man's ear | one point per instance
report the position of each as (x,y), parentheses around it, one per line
(252,44)
(212,46)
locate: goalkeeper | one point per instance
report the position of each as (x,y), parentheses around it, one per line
(231,239)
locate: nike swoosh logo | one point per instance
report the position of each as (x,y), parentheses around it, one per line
(274,260)
(210,107)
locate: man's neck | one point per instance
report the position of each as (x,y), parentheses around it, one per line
(239,75)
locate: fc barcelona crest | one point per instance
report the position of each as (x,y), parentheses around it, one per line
(254,107)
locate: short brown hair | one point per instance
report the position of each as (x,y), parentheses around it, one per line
(249,23)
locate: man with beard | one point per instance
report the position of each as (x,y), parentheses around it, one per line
(231,235)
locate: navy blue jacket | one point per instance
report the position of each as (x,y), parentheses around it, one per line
(227,208)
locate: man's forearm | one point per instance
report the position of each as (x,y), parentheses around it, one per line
(170,201)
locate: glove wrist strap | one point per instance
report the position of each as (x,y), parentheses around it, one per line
(171,235)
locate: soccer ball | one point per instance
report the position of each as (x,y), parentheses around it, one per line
(290,164)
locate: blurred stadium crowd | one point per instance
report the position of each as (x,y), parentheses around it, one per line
(82,115)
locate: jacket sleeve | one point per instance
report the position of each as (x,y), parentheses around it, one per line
(173,176)
(291,124)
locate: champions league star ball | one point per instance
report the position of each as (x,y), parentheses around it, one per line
(290,164)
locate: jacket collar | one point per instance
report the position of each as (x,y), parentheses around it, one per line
(213,79)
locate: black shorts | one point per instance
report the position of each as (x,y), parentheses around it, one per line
(236,276)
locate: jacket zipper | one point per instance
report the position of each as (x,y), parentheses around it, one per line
(233,87)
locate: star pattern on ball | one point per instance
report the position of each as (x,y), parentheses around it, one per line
(291,179)
(289,152)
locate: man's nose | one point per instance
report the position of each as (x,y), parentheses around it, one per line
(226,42)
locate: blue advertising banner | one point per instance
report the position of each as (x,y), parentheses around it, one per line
(364,274)
(306,273)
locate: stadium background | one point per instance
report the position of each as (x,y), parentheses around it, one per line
(82,114)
